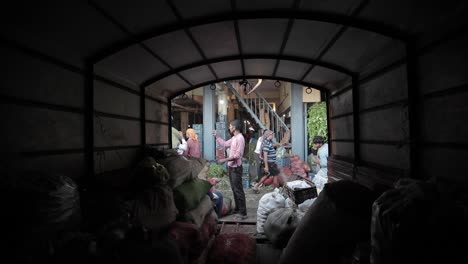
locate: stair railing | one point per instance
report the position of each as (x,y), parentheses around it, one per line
(255,104)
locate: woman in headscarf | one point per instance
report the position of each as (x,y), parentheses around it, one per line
(193,145)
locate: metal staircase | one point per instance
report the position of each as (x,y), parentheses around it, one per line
(261,111)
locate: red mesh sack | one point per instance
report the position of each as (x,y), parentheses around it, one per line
(208,228)
(232,248)
(268,181)
(188,238)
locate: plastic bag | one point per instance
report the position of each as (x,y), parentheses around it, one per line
(46,202)
(280,225)
(182,147)
(304,206)
(280,152)
(320,179)
(266,205)
(37,208)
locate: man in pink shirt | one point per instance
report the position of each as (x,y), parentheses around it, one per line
(234,162)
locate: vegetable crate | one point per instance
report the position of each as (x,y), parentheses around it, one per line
(300,195)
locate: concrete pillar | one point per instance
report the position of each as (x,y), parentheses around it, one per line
(298,143)
(209,121)
(184,122)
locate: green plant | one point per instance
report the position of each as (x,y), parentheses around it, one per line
(216,171)
(317,121)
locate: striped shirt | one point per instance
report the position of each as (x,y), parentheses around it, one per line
(268,148)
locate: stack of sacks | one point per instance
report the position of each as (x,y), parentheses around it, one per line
(196,222)
(198,165)
(136,229)
(208,235)
(201,215)
(203,174)
(196,209)
(190,192)
(122,243)
(151,203)
(302,207)
(192,200)
(180,168)
(188,238)
(228,203)
(280,225)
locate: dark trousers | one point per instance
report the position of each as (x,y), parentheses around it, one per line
(235,178)
(219,204)
(259,167)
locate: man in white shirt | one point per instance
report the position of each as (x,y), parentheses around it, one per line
(321,178)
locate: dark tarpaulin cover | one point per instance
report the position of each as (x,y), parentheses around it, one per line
(45,202)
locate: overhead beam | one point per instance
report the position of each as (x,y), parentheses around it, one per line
(356,124)
(337,35)
(295,5)
(190,35)
(236,15)
(265,77)
(238,38)
(414,104)
(131,35)
(324,64)
(88,177)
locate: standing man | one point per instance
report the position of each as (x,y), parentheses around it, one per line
(234,162)
(259,157)
(321,178)
(270,167)
(322,153)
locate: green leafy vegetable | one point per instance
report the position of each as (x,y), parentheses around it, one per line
(317,121)
(216,171)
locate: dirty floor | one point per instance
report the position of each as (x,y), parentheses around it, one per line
(228,223)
